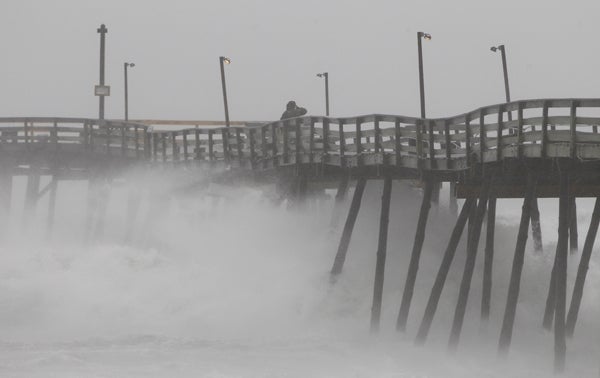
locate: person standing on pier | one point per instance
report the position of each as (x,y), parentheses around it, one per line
(292,110)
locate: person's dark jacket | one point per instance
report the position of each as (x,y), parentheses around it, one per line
(293,110)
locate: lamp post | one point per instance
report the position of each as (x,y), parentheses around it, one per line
(326,76)
(421,35)
(506,88)
(102,30)
(125,66)
(222,61)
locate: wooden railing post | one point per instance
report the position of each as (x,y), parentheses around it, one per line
(482,136)
(263,145)
(398,145)
(431,145)
(286,147)
(211,146)
(520,136)
(573,128)
(238,144)
(198,150)
(359,148)
(544,151)
(468,135)
(325,139)
(448,143)
(252,151)
(342,144)
(185,146)
(420,155)
(225,142)
(274,144)
(298,141)
(311,141)
(377,135)
(499,142)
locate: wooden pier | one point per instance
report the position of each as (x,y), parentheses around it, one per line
(545,148)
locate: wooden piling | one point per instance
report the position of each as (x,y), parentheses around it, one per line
(550,298)
(51,206)
(340,256)
(465,285)
(560,287)
(517,269)
(442,273)
(31,194)
(536,229)
(413,266)
(582,270)
(488,258)
(573,236)
(381,254)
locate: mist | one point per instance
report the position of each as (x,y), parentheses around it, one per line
(225,283)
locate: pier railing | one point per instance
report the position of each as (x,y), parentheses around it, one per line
(546,128)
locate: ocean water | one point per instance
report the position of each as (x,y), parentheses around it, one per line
(223,283)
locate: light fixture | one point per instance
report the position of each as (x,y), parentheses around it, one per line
(226,60)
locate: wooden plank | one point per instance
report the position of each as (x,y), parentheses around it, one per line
(517,269)
(381,254)
(573,130)
(544,139)
(358,142)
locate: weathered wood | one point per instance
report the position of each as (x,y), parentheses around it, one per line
(517,269)
(31,193)
(573,235)
(582,270)
(551,297)
(381,254)
(415,256)
(442,273)
(51,206)
(488,263)
(465,285)
(536,228)
(340,256)
(544,140)
(560,287)
(499,143)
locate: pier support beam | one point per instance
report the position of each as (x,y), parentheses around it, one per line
(413,266)
(31,194)
(465,285)
(517,269)
(381,254)
(53,188)
(488,258)
(340,256)
(536,229)
(582,270)
(442,273)
(560,287)
(573,236)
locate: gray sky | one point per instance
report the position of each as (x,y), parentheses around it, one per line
(50,55)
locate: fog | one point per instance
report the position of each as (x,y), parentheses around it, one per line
(277,47)
(225,284)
